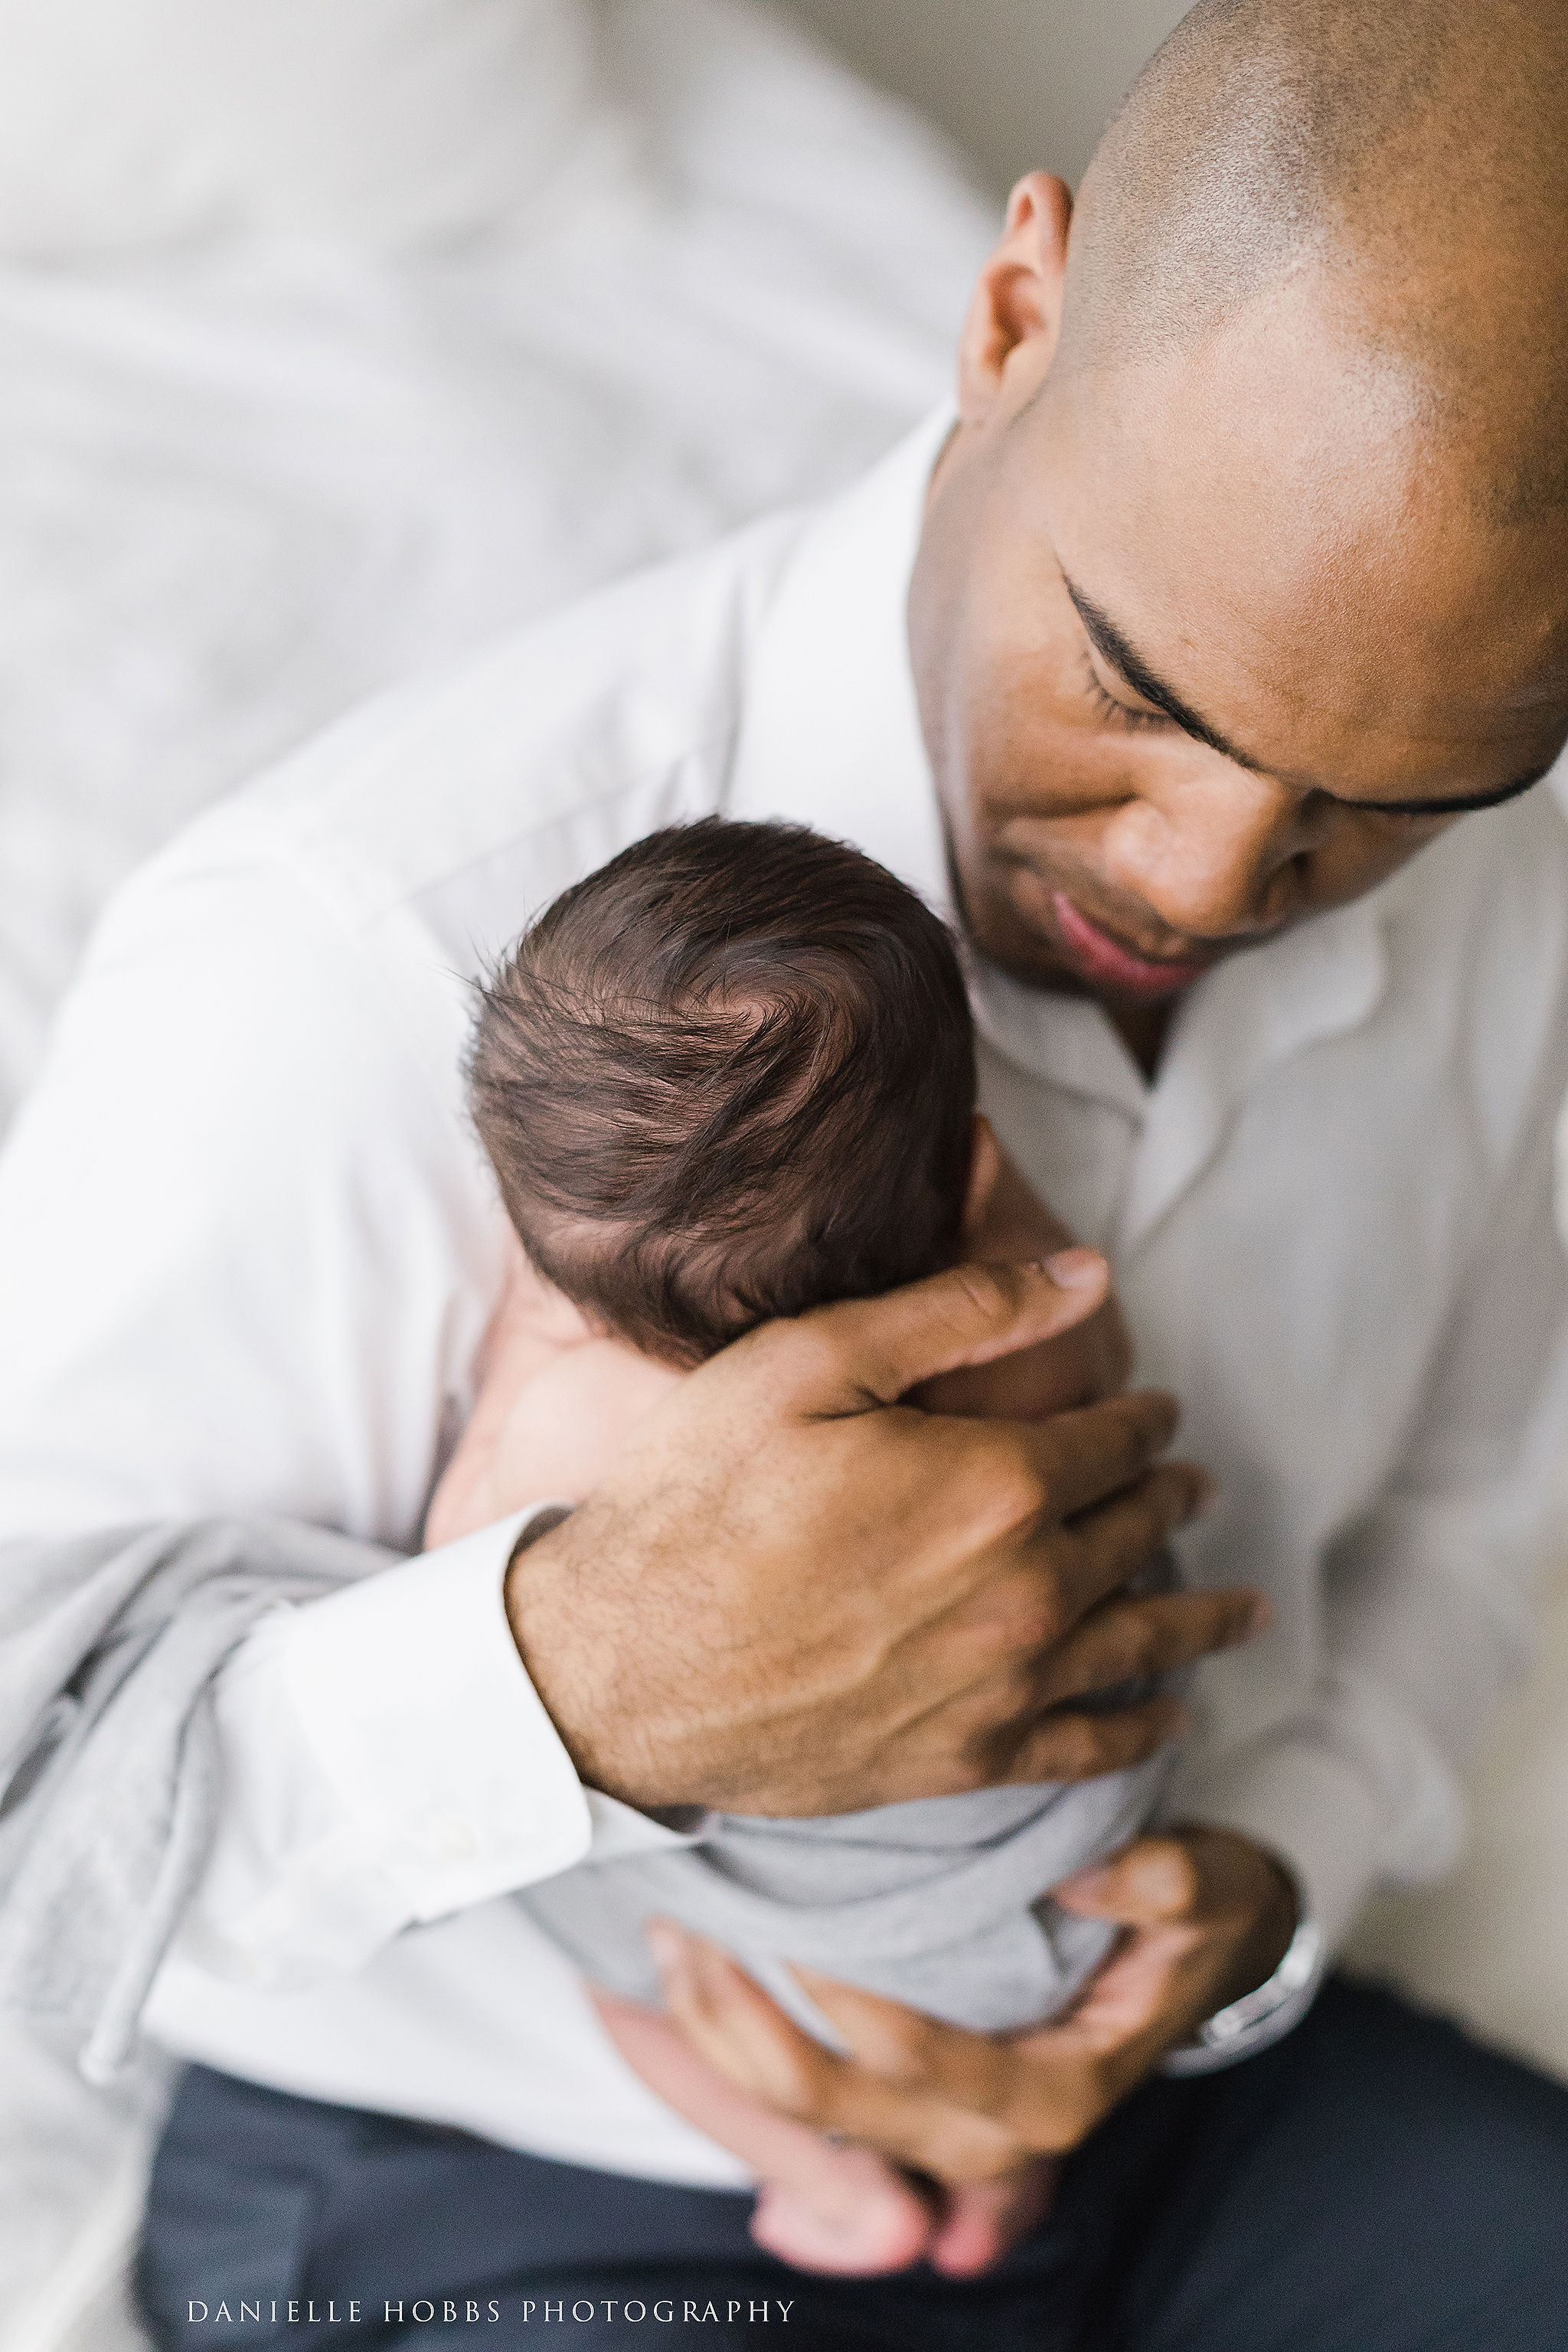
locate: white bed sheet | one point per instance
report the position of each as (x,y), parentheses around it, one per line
(239,489)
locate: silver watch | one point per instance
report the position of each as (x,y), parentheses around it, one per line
(1260,2017)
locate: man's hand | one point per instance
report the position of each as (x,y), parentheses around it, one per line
(795,1595)
(1207,1916)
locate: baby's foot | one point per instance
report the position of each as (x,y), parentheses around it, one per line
(862,2218)
(981,2218)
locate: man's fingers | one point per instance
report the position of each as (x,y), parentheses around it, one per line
(734,2025)
(1124,1640)
(1082,1458)
(870,1351)
(1207,1915)
(1074,1501)
(1104,1547)
(1132,1635)
(960,2105)
(904,2047)
(976,2075)
(1188,1874)
(1153,1883)
(1067,1747)
(946,2092)
(732,2022)
(1042,2090)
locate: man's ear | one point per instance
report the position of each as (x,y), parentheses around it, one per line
(984,1167)
(1019,299)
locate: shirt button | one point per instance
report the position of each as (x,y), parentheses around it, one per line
(451,1838)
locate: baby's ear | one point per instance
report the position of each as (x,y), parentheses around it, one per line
(984,1167)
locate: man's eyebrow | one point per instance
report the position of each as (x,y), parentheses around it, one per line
(1460,806)
(1108,642)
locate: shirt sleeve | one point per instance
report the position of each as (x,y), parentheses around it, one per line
(246,1256)
(1427,1601)
(246,1247)
(386,1761)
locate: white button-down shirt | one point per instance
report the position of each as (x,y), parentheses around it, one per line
(249,1247)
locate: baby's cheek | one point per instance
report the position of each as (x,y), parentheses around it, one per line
(626,1385)
(571,1421)
(546,1451)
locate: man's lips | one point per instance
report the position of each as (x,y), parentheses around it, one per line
(1100,958)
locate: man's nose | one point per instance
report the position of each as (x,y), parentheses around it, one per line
(1213,855)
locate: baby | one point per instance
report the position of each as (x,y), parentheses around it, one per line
(728,1077)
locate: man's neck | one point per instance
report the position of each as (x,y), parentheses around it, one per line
(1143,1029)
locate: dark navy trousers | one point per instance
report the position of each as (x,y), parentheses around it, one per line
(1376,2183)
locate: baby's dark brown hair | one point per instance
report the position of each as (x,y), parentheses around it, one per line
(728,1077)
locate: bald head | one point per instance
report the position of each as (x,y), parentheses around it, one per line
(1408,164)
(1245,573)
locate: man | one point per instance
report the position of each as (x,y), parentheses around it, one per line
(1238,582)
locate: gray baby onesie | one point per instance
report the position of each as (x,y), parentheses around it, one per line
(942,1904)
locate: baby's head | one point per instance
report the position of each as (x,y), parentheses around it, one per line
(728,1077)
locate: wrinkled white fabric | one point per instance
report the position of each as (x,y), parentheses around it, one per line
(129,123)
(245,484)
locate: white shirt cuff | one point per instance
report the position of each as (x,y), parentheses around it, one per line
(411,1698)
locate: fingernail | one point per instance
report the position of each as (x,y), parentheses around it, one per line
(1074,1269)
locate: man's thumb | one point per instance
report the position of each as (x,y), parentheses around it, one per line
(881,1348)
(1151,1882)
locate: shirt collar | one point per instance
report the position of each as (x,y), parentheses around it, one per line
(831,734)
(1258,1010)
(1066,1041)
(1251,1014)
